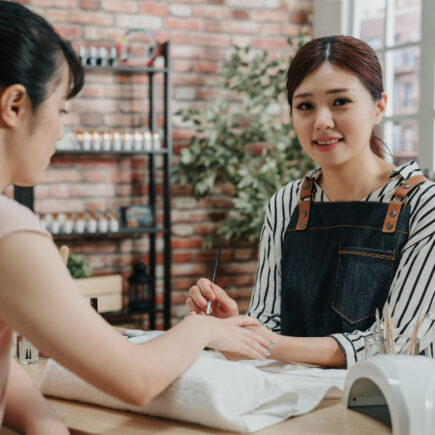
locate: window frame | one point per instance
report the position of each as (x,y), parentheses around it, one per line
(342,19)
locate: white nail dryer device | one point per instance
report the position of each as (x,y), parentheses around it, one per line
(398,390)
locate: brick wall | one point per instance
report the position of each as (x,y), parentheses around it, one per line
(202,33)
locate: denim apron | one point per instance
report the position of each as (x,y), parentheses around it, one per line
(338,261)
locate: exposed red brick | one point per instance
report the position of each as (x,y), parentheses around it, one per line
(213,12)
(182,24)
(240,15)
(212,40)
(270,43)
(68,32)
(128,6)
(182,257)
(269,15)
(150,9)
(206,67)
(299,17)
(91,5)
(186,243)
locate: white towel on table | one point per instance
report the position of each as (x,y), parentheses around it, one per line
(244,396)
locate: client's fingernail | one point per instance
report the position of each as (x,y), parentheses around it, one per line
(271,344)
(269,352)
(263,356)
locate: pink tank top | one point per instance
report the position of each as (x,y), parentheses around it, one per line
(14,217)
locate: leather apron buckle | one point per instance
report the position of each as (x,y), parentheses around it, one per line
(395,206)
(305,204)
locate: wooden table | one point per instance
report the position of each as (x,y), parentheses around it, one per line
(329,418)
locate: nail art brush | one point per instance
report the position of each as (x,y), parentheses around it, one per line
(213,279)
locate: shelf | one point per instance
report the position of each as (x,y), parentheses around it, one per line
(127,313)
(155,175)
(121,233)
(127,69)
(117,153)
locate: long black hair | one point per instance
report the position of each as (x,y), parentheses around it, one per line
(31,53)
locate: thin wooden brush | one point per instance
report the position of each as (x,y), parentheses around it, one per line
(389,330)
(413,338)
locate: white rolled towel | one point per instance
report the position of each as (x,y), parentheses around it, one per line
(235,396)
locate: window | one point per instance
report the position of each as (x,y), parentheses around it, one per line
(409,57)
(408,94)
(396,96)
(407,139)
(403,35)
(397,138)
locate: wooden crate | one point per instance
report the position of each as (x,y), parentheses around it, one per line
(108,290)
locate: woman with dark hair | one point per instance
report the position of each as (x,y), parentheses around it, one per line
(352,235)
(38,73)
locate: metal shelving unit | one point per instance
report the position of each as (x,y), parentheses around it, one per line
(25,195)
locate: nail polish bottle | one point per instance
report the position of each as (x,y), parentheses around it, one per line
(113,223)
(79,137)
(80,224)
(55,225)
(103,223)
(96,141)
(107,140)
(148,140)
(113,56)
(87,141)
(83,55)
(117,141)
(128,141)
(92,58)
(91,224)
(68,225)
(138,141)
(27,353)
(156,141)
(102,56)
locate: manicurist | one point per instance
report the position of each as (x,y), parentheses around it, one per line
(352,235)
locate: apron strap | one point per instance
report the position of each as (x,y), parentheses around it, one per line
(304,204)
(394,207)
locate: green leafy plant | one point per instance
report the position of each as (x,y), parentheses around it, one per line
(245,139)
(78,267)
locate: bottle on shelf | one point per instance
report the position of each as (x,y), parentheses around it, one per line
(96,141)
(87,141)
(102,223)
(117,141)
(127,140)
(156,141)
(103,56)
(113,223)
(148,140)
(92,56)
(107,140)
(80,224)
(138,141)
(91,223)
(113,59)
(83,54)
(41,221)
(55,224)
(68,224)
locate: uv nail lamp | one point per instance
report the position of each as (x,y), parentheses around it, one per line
(398,390)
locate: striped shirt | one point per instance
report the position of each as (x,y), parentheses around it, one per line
(413,285)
